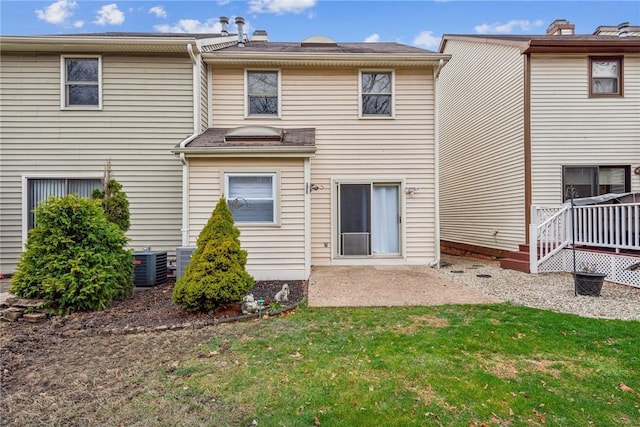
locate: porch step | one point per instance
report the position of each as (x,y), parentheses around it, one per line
(515,264)
(517,260)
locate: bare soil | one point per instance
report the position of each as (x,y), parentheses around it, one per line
(82,368)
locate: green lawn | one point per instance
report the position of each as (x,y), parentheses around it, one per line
(454,365)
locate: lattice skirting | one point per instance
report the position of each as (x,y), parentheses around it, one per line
(614,265)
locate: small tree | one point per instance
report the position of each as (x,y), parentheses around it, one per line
(216,274)
(74,257)
(114,201)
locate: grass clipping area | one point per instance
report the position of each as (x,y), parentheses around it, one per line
(458,365)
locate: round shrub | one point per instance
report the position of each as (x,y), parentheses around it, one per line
(74,257)
(216,274)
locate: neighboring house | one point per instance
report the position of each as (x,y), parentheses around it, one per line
(69,104)
(325,151)
(526,118)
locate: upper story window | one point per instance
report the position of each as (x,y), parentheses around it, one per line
(263,93)
(605,76)
(376,94)
(81,78)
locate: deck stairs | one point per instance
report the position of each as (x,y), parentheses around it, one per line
(517,260)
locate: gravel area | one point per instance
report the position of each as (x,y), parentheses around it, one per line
(552,291)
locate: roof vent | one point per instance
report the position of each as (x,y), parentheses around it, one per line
(318,41)
(240,25)
(224,21)
(260,36)
(623,29)
(561,27)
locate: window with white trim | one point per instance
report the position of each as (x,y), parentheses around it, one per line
(263,90)
(376,94)
(40,189)
(81,79)
(252,197)
(605,76)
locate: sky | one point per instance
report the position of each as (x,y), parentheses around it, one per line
(416,23)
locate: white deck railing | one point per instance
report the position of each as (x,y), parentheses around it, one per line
(600,226)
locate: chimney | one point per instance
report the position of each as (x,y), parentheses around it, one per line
(240,24)
(561,27)
(224,21)
(260,36)
(623,29)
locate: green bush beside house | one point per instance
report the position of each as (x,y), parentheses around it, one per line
(216,274)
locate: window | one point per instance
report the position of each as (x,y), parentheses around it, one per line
(376,94)
(81,78)
(588,181)
(40,189)
(605,76)
(252,197)
(263,93)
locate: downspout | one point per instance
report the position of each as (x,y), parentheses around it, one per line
(195,59)
(436,153)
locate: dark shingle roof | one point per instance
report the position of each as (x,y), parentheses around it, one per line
(215,137)
(349,48)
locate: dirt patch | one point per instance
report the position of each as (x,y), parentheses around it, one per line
(77,369)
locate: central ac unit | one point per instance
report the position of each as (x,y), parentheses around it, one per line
(150,268)
(183,256)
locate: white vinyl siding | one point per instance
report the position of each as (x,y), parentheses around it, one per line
(327,99)
(147,110)
(274,252)
(482,145)
(570,128)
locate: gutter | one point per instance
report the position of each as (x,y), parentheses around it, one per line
(195,59)
(436,150)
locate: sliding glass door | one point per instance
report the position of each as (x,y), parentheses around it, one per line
(368,219)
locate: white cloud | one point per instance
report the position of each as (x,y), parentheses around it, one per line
(78,24)
(191,26)
(426,39)
(373,38)
(280,7)
(58,12)
(158,11)
(109,14)
(223,2)
(509,27)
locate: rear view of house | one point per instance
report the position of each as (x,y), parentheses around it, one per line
(325,152)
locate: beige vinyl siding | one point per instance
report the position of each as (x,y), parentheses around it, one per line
(569,128)
(274,252)
(369,149)
(204,96)
(147,110)
(482,145)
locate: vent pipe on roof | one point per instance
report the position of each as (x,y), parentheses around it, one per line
(224,21)
(623,29)
(240,25)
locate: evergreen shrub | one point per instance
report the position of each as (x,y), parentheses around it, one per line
(216,274)
(74,257)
